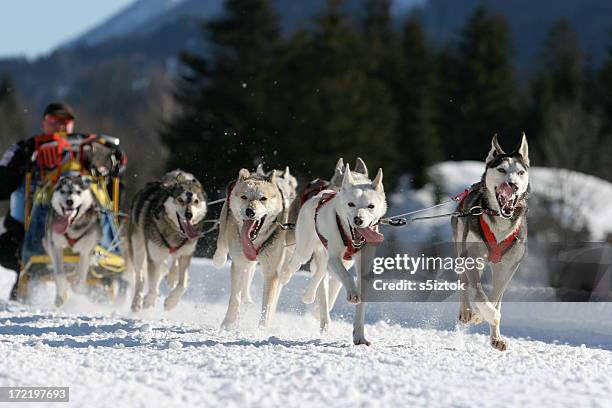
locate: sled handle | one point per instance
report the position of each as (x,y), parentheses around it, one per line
(28,184)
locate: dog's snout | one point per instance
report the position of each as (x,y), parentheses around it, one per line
(249,212)
(358,221)
(514,186)
(188,215)
(69,202)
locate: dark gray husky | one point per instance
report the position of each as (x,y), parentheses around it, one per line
(165,220)
(496,231)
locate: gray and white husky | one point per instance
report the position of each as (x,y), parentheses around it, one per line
(165,224)
(498,235)
(73,221)
(250,232)
(335,228)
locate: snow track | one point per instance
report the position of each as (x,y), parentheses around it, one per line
(165,359)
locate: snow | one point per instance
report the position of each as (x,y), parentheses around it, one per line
(418,356)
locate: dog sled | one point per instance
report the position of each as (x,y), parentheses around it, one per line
(99,160)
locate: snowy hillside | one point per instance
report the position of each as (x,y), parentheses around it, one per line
(418,357)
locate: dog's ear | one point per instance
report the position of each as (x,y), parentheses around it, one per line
(523,149)
(286,174)
(495,149)
(272,177)
(243,174)
(377,183)
(336,179)
(347,179)
(260,170)
(360,167)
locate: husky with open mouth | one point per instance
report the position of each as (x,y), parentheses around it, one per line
(332,228)
(287,184)
(250,231)
(73,221)
(496,230)
(166,220)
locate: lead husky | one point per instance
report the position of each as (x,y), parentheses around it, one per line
(499,234)
(250,232)
(165,220)
(72,222)
(332,228)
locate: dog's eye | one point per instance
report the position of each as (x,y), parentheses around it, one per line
(351,204)
(243,197)
(180,200)
(263,198)
(522,172)
(371,206)
(502,171)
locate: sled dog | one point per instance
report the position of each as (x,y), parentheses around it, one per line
(73,221)
(165,224)
(498,234)
(287,184)
(250,231)
(334,228)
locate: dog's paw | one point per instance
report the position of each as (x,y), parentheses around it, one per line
(219,259)
(353,297)
(469,316)
(499,344)
(247,297)
(284,276)
(149,300)
(173,299)
(79,286)
(309,295)
(489,313)
(60,299)
(136,303)
(229,324)
(359,339)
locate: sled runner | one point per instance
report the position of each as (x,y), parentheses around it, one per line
(99,160)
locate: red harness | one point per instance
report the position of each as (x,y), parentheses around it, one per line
(496,250)
(351,249)
(71,241)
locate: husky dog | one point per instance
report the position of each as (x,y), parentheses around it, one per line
(287,184)
(72,222)
(250,232)
(165,223)
(499,234)
(332,228)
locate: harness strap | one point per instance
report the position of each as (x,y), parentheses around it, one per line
(497,250)
(327,197)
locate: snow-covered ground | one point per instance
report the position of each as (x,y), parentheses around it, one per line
(418,357)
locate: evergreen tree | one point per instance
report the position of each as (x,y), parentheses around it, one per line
(330,104)
(11,121)
(419,138)
(477,93)
(221,125)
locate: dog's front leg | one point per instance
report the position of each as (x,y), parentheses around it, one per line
(139,264)
(271,292)
(181,285)
(238,273)
(501,278)
(80,284)
(337,268)
(61,284)
(484,306)
(362,263)
(246,291)
(155,277)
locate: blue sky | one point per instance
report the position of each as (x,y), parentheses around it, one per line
(35,27)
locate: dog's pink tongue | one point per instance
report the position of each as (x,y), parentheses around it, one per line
(60,225)
(505,191)
(247,245)
(190,230)
(371,235)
